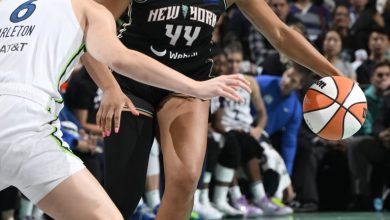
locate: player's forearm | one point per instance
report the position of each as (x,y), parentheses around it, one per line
(262,122)
(261,111)
(142,68)
(100,73)
(295,46)
(284,38)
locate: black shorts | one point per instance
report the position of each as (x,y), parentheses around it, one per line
(148,98)
(250,147)
(8,199)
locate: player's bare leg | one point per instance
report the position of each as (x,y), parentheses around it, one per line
(80,196)
(183,136)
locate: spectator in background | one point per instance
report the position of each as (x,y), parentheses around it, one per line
(315,17)
(356,9)
(284,109)
(234,119)
(378,44)
(260,48)
(364,17)
(74,134)
(331,48)
(340,23)
(216,148)
(360,161)
(277,63)
(385,12)
(237,29)
(221,34)
(82,97)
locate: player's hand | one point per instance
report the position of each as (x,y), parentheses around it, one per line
(112,104)
(226,86)
(256,132)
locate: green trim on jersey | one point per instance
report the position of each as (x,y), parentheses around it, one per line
(59,140)
(63,70)
(226,4)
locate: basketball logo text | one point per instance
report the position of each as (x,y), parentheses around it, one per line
(321,84)
(364,113)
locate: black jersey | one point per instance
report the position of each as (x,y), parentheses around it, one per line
(176,33)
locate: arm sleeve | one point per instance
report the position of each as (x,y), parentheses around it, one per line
(290,138)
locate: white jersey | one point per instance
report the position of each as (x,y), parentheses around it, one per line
(37,46)
(237,115)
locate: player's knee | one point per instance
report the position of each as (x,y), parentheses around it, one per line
(187,179)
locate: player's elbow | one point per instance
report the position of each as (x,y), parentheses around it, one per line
(119,61)
(280,36)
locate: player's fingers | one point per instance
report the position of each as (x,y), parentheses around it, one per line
(237,80)
(117,119)
(238,83)
(229,96)
(99,116)
(232,93)
(108,122)
(130,106)
(240,78)
(101,120)
(236,87)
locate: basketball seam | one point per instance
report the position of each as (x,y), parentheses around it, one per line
(337,89)
(340,106)
(331,117)
(346,97)
(353,115)
(324,94)
(347,109)
(322,107)
(342,124)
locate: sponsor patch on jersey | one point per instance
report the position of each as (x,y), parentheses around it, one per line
(158,53)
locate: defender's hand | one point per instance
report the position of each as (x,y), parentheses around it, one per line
(226,86)
(111,106)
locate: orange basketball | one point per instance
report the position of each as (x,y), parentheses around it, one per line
(334,108)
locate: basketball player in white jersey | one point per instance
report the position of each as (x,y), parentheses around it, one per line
(236,118)
(40,41)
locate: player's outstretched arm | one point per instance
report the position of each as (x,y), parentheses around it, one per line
(104,46)
(284,38)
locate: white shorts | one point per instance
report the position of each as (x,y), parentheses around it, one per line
(33,156)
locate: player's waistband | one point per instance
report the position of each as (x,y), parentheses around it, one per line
(28,92)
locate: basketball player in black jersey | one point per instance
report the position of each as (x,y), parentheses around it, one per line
(178,34)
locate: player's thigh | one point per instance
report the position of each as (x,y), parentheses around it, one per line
(79,196)
(183,132)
